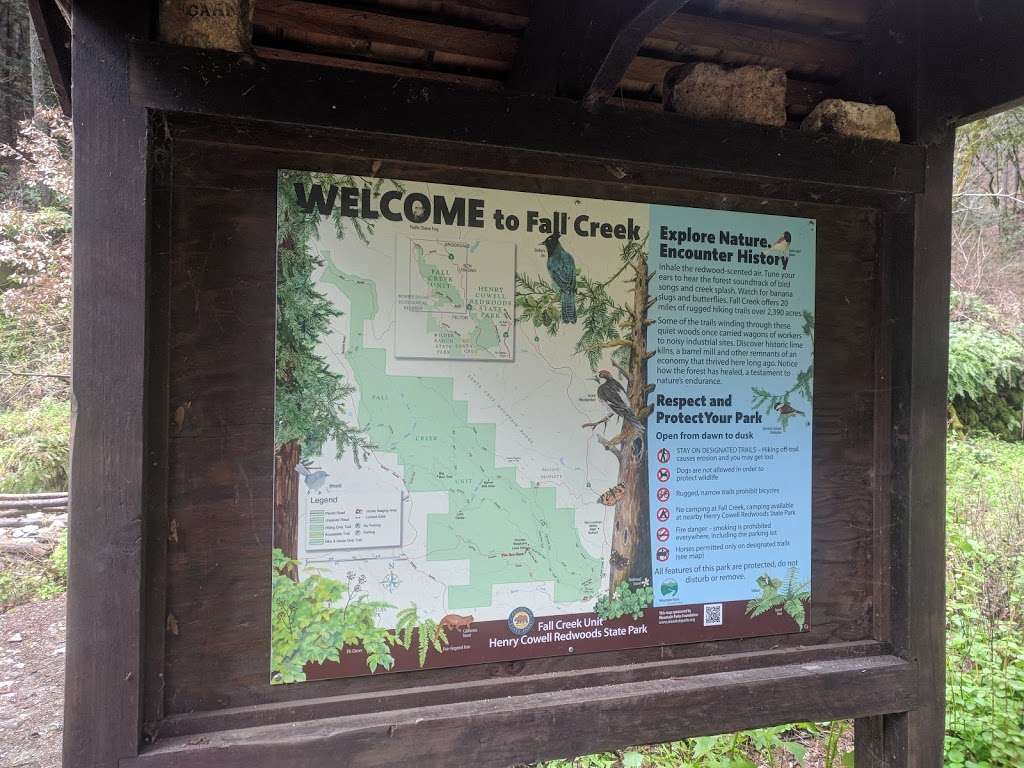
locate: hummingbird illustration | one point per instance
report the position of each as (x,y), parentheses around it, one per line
(611,393)
(785,409)
(314,479)
(562,269)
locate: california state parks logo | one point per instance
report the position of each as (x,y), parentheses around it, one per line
(520,621)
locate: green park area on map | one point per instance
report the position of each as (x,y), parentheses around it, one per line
(509,533)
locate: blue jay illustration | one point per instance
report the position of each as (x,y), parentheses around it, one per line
(562,269)
(314,479)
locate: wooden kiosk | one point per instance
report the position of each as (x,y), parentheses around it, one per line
(177,151)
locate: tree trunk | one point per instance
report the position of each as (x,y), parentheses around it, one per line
(43,94)
(15,82)
(629,560)
(286,501)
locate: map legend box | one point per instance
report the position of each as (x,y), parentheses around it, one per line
(362,521)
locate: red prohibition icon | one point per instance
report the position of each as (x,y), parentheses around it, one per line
(664,456)
(662,554)
(664,475)
(663,494)
(663,514)
(663,534)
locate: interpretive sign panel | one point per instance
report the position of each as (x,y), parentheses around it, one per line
(515,425)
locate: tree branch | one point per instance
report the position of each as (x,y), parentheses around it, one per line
(31,375)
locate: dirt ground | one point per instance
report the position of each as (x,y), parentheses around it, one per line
(32,685)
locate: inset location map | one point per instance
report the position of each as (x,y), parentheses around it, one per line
(455,300)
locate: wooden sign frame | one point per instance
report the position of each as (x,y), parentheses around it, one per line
(170,541)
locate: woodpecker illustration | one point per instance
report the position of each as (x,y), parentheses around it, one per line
(783,243)
(785,409)
(562,269)
(611,393)
(314,480)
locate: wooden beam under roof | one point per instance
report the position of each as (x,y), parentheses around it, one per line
(821,15)
(179,79)
(687,35)
(581,49)
(368,34)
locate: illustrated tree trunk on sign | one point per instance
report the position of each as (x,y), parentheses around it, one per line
(619,331)
(309,397)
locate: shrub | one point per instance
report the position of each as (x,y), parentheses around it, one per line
(985,605)
(986,378)
(34,448)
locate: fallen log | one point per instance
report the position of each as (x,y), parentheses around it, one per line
(32,504)
(30,496)
(49,511)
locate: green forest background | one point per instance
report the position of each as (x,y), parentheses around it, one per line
(985,504)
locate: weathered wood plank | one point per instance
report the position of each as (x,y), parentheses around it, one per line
(365,32)
(824,15)
(283,54)
(105,544)
(918,301)
(500,732)
(219,83)
(498,687)
(523,170)
(692,36)
(490,14)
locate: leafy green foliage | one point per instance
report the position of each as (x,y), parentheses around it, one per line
(309,397)
(986,378)
(773,747)
(626,600)
(602,319)
(313,619)
(985,604)
(981,359)
(34,448)
(791,595)
(763,400)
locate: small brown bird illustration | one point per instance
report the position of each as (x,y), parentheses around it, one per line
(783,243)
(785,409)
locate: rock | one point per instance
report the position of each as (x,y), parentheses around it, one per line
(851,118)
(15,638)
(224,24)
(750,94)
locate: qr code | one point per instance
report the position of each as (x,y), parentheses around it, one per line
(713,615)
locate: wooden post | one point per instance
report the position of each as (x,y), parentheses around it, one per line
(102,702)
(903,69)
(916,258)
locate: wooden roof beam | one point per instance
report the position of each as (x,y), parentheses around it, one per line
(54,32)
(581,49)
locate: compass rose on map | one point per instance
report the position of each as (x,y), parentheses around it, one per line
(391,582)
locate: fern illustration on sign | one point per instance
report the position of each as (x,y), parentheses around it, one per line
(789,595)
